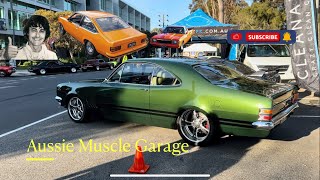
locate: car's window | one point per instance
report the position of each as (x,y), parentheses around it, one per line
(116,75)
(101,61)
(51,63)
(137,73)
(179,30)
(163,77)
(76,18)
(268,50)
(111,23)
(87,24)
(217,72)
(240,67)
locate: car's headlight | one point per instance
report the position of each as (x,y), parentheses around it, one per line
(154,40)
(175,42)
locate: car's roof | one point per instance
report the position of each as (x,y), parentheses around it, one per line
(95,14)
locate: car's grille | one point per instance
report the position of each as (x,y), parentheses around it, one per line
(162,41)
(283,68)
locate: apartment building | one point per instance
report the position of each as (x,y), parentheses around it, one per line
(23,9)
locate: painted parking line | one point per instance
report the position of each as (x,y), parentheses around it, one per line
(34,123)
(6,87)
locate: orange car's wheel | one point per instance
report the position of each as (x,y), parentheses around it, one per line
(61,30)
(90,49)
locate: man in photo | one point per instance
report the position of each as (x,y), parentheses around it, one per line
(36,30)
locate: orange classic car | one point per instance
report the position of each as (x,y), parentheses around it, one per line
(103,33)
(172,37)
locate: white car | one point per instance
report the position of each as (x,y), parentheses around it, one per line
(263,57)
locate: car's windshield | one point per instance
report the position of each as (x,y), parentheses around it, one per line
(268,50)
(178,30)
(216,73)
(246,70)
(111,23)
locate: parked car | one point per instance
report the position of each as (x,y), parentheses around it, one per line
(201,100)
(45,67)
(6,70)
(172,37)
(103,33)
(96,64)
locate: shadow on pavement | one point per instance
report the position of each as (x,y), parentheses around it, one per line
(211,160)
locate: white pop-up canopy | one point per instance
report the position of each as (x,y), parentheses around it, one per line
(200,47)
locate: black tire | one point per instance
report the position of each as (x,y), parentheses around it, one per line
(208,127)
(61,30)
(74,107)
(84,70)
(90,49)
(7,75)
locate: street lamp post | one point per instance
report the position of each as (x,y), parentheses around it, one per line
(165,18)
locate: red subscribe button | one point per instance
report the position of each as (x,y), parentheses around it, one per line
(263,36)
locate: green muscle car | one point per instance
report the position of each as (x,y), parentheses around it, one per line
(202,100)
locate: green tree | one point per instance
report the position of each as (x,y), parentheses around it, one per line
(65,41)
(263,15)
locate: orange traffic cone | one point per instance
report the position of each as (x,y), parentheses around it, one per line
(138,164)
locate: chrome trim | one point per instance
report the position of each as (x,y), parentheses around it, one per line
(59,99)
(278,119)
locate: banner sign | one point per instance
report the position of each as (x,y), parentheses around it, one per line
(261,37)
(211,30)
(304,53)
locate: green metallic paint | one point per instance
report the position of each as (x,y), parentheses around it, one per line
(161,105)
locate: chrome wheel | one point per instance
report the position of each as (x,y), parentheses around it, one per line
(43,71)
(73,70)
(97,68)
(2,73)
(90,48)
(194,126)
(76,109)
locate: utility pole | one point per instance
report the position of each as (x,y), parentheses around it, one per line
(13,28)
(165,18)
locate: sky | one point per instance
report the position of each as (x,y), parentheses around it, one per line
(175,9)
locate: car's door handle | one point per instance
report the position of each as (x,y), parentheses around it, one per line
(144,89)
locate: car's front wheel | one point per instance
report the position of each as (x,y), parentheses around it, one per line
(196,128)
(43,71)
(61,30)
(90,49)
(73,70)
(77,110)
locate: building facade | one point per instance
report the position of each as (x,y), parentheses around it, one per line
(23,9)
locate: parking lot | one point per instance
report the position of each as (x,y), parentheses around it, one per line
(30,113)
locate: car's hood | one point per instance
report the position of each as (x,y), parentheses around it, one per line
(123,35)
(171,36)
(260,87)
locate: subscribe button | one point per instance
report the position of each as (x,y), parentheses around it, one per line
(261,36)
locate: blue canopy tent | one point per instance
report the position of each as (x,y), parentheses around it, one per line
(206,26)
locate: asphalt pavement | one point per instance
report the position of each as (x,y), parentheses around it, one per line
(290,152)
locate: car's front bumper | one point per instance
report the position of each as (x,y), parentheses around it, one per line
(278,119)
(59,99)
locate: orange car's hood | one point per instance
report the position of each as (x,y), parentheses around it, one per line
(123,35)
(169,36)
